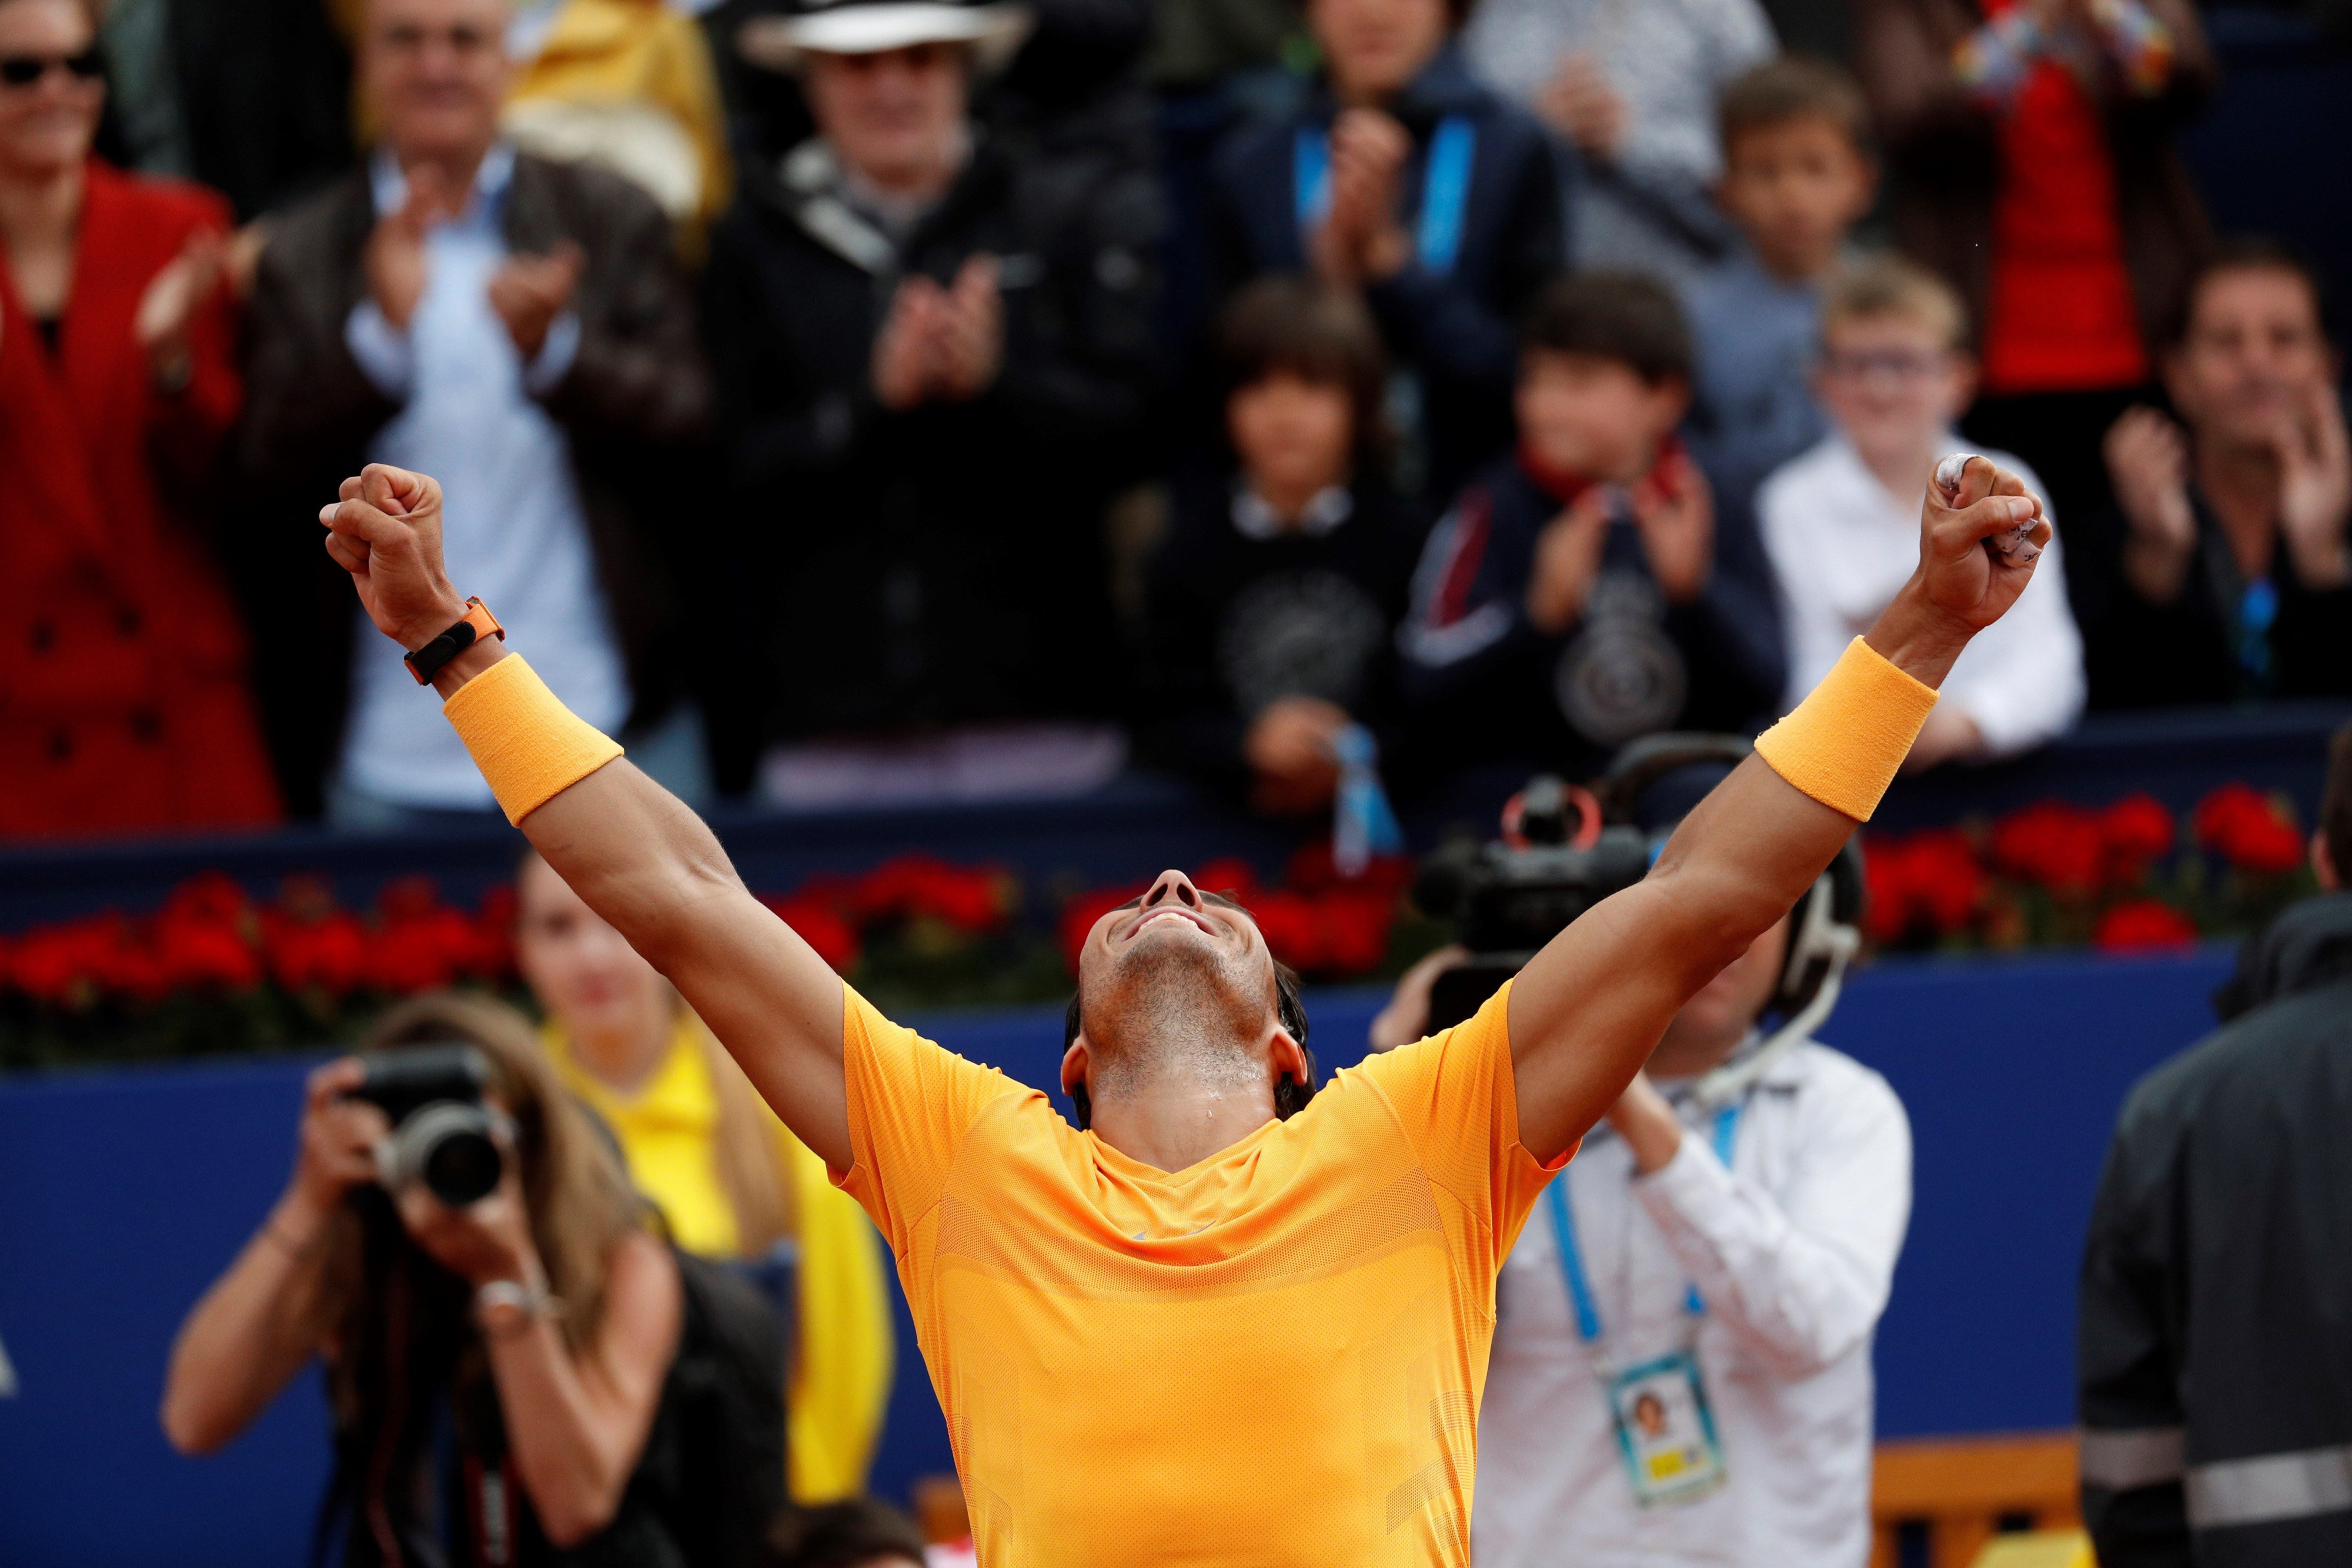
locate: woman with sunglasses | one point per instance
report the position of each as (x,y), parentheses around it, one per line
(122,696)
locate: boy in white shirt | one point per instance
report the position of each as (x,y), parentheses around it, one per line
(1840,522)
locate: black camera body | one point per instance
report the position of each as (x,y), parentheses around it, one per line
(441,1133)
(1507,899)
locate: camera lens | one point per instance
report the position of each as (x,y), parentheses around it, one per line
(462,1167)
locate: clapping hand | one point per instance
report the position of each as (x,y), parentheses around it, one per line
(1360,237)
(944,344)
(2147,463)
(1581,106)
(2315,487)
(1674,512)
(167,310)
(529,292)
(1568,562)
(394,258)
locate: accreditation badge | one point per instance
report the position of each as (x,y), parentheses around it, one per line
(1665,1431)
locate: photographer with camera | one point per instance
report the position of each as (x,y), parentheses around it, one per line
(1681,1371)
(460,1247)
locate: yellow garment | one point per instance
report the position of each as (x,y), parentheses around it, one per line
(1843,743)
(528,745)
(1273,1357)
(629,84)
(841,1381)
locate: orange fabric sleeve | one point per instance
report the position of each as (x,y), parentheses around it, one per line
(1455,1095)
(1843,743)
(529,745)
(911,1104)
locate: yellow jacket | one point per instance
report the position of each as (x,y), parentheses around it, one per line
(841,1377)
(629,84)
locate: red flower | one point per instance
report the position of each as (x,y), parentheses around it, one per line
(2252,831)
(2138,831)
(1356,929)
(1293,929)
(210,896)
(1079,914)
(972,899)
(1947,881)
(69,963)
(2053,845)
(2143,925)
(328,954)
(201,953)
(821,926)
(1231,876)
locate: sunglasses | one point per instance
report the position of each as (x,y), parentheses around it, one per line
(24,70)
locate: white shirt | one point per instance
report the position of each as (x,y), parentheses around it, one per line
(1794,1251)
(513,529)
(1843,545)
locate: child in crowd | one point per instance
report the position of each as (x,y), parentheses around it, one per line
(1587,577)
(1797,175)
(1842,521)
(1273,601)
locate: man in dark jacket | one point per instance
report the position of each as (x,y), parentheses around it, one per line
(1403,177)
(2216,1373)
(934,359)
(518,326)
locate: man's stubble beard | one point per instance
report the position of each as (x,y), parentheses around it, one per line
(1176,1014)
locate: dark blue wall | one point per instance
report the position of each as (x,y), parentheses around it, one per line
(122,1194)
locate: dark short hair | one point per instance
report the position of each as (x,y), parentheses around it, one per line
(1629,317)
(1290,1096)
(2336,805)
(1304,327)
(2248,252)
(1793,86)
(843,1535)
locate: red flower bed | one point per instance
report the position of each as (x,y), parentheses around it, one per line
(1317,922)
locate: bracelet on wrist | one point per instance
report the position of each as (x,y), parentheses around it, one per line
(505,1307)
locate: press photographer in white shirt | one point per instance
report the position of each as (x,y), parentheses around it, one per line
(1735,1232)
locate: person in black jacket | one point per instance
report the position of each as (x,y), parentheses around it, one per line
(1405,179)
(1275,600)
(2215,1372)
(1584,591)
(2226,571)
(933,361)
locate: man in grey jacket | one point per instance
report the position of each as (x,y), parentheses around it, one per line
(517,324)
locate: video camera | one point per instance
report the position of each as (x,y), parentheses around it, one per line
(1564,850)
(441,1133)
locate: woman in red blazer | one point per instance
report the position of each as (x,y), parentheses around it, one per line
(122,696)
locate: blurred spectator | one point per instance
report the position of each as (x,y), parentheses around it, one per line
(1583,593)
(1730,1233)
(1842,522)
(252,98)
(1274,599)
(507,1357)
(731,1181)
(1797,176)
(2213,1368)
(858,1533)
(1633,86)
(627,84)
(935,361)
(514,326)
(123,697)
(1403,178)
(2232,579)
(2030,147)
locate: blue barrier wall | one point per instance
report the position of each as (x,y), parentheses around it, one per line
(122,1194)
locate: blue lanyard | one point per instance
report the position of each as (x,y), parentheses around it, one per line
(1444,187)
(2257,614)
(1571,1256)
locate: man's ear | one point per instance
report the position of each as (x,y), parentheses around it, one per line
(1285,1055)
(1074,1062)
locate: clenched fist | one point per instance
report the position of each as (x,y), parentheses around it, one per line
(1964,582)
(386,532)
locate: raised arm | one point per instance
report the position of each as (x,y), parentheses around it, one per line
(1587,1011)
(636,853)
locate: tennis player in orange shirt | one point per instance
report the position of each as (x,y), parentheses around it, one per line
(1238,1320)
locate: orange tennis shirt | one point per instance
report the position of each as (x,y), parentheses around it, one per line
(1273,1357)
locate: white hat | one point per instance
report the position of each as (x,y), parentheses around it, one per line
(872,26)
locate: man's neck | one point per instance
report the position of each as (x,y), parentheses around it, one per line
(458,167)
(2240,483)
(913,184)
(1174,1126)
(1288,500)
(624,1060)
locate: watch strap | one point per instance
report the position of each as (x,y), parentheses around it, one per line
(477,624)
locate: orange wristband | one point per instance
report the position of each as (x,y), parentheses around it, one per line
(1843,743)
(529,745)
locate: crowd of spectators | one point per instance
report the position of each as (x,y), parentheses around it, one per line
(854,401)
